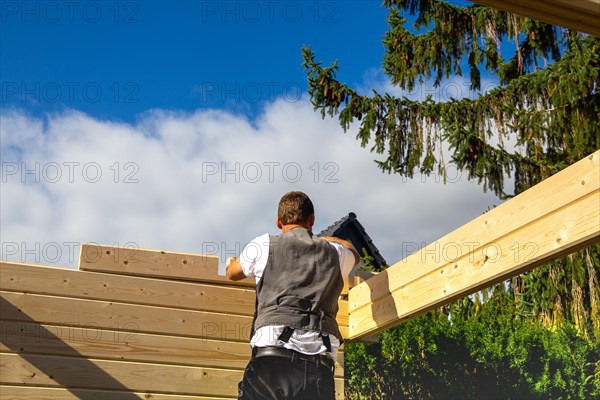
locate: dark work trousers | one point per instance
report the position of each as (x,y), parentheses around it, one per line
(278,378)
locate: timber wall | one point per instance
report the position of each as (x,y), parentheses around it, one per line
(129,324)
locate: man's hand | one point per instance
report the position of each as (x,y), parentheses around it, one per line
(234,269)
(346,244)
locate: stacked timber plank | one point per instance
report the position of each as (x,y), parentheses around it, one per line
(129,324)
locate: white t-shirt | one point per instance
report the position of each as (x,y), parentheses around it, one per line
(253,261)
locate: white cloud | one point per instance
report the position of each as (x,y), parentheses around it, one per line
(192,181)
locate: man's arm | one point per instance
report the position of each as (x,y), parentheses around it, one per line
(346,244)
(234,269)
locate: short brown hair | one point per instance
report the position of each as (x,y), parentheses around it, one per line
(295,208)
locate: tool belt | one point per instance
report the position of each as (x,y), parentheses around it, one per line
(293,356)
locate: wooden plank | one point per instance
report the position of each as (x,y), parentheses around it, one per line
(339,361)
(342,315)
(361,276)
(365,339)
(78,373)
(53,371)
(579,15)
(345,331)
(37,279)
(35,338)
(556,217)
(339,389)
(28,278)
(45,393)
(154,263)
(105,315)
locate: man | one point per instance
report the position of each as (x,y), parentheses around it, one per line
(295,335)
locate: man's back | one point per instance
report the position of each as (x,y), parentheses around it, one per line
(301,284)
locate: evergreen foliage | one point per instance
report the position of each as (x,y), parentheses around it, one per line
(551,109)
(537,336)
(474,350)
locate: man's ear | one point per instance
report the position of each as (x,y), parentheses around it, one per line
(278,223)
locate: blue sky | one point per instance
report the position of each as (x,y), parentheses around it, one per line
(178,125)
(118,59)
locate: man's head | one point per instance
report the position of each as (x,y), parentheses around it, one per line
(295,208)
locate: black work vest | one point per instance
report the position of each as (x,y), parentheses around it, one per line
(300,285)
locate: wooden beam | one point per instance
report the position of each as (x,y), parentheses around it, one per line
(40,370)
(578,15)
(92,342)
(361,276)
(79,373)
(154,263)
(107,315)
(45,393)
(28,278)
(556,217)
